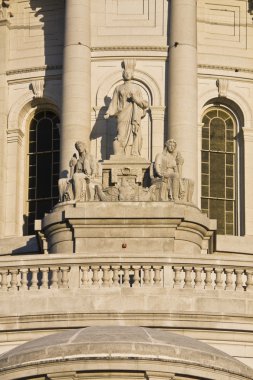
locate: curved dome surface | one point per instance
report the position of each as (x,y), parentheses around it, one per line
(121,343)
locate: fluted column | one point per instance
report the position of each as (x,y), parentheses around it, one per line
(182,94)
(76,106)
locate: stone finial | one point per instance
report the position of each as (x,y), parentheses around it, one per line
(222,85)
(38,87)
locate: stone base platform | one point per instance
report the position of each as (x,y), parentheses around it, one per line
(133,229)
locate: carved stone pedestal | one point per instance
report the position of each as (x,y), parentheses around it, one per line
(135,169)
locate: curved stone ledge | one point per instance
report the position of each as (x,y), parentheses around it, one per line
(146,227)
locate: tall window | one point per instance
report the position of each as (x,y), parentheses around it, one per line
(43,158)
(219,168)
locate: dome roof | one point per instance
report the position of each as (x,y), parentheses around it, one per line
(121,343)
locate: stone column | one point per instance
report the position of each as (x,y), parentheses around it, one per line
(4,44)
(157,116)
(76,103)
(182,92)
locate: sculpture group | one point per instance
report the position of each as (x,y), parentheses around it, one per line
(166,183)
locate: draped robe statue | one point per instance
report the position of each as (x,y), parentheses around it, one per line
(129,107)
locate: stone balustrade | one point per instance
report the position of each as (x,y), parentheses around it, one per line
(78,273)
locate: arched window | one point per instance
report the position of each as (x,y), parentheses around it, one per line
(43,166)
(219,168)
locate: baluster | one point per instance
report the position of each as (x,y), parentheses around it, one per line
(208,279)
(229,279)
(64,284)
(238,280)
(14,279)
(177,277)
(106,276)
(136,276)
(44,278)
(95,278)
(188,277)
(85,276)
(115,277)
(249,282)
(4,282)
(54,278)
(218,280)
(126,281)
(198,278)
(34,280)
(24,279)
(146,278)
(157,275)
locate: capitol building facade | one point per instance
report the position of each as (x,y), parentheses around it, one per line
(126,171)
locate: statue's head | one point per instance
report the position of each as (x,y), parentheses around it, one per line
(80,146)
(128,65)
(128,74)
(170,145)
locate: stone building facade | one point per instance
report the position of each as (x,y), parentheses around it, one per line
(160,263)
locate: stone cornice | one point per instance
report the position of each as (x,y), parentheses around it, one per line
(225,68)
(33,69)
(127,48)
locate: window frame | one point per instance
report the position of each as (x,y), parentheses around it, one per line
(45,108)
(238,164)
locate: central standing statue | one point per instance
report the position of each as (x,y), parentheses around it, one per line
(129,107)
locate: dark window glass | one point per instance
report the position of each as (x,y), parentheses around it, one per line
(217,135)
(43,166)
(44,135)
(217,175)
